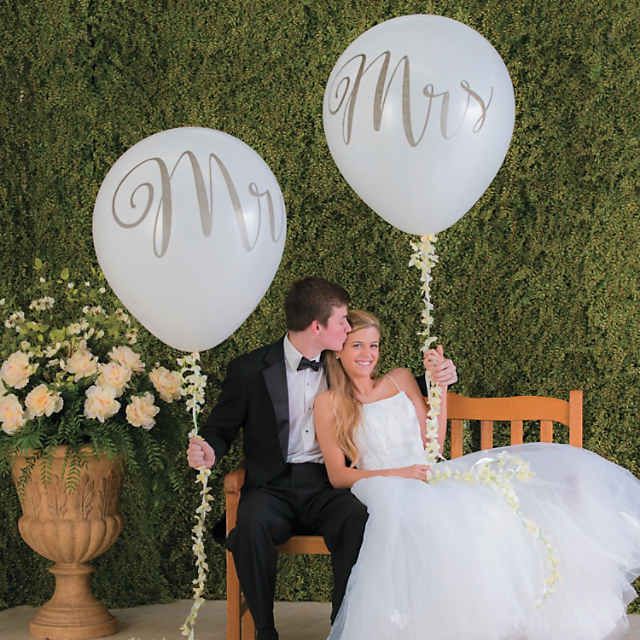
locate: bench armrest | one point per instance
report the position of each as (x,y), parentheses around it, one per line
(234,481)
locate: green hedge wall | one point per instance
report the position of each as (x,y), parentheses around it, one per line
(537,290)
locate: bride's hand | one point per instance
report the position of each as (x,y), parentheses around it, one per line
(441,369)
(414,472)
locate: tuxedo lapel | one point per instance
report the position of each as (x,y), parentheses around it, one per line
(275,378)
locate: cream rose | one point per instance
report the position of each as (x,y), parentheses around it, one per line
(101,403)
(127,357)
(16,370)
(82,364)
(114,375)
(141,411)
(41,401)
(167,383)
(11,414)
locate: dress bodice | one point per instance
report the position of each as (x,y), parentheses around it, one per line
(389,434)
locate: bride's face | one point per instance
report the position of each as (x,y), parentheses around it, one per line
(360,352)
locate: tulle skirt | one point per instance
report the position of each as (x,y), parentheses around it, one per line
(456,560)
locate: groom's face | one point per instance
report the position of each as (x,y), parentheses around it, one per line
(334,333)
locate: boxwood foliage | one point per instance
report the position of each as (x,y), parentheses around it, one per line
(537,290)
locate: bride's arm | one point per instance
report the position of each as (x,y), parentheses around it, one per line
(340,475)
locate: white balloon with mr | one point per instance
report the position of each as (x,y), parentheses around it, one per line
(189,228)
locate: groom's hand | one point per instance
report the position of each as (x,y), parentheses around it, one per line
(200,454)
(441,369)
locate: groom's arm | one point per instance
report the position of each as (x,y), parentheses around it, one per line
(230,412)
(443,371)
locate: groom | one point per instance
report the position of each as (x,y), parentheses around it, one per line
(270,392)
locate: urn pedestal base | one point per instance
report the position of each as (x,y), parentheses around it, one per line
(72,613)
(70,518)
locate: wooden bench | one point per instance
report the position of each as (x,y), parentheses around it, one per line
(514,410)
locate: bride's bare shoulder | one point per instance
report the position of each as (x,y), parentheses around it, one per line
(403,378)
(401,374)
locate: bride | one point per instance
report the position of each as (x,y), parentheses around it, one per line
(529,542)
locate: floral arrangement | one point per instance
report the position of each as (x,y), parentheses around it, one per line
(85,383)
(79,383)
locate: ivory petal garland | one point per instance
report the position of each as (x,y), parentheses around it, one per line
(424,257)
(193,387)
(497,473)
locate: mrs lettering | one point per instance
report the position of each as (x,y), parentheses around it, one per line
(346,89)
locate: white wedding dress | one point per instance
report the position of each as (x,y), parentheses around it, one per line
(458,560)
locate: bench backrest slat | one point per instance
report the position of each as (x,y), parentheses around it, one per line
(517,432)
(514,410)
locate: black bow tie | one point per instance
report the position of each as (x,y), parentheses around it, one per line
(305,363)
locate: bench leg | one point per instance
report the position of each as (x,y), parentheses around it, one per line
(248,625)
(233,601)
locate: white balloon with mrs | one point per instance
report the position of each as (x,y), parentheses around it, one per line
(418,114)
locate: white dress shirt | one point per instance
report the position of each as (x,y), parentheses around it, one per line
(302,387)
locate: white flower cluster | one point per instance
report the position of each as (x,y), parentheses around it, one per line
(17,369)
(93,311)
(14,320)
(15,372)
(49,351)
(193,383)
(499,473)
(113,378)
(121,314)
(12,415)
(193,387)
(141,411)
(42,304)
(167,383)
(101,399)
(76,328)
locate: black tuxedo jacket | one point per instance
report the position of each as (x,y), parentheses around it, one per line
(254,396)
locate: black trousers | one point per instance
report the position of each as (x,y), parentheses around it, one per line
(301,500)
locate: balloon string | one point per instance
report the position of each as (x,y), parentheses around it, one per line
(424,258)
(194,389)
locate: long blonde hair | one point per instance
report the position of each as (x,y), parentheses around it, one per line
(347,408)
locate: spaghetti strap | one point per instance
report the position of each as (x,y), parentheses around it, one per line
(395,384)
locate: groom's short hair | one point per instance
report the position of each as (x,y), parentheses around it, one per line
(312,299)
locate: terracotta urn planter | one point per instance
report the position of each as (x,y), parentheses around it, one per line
(71,528)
